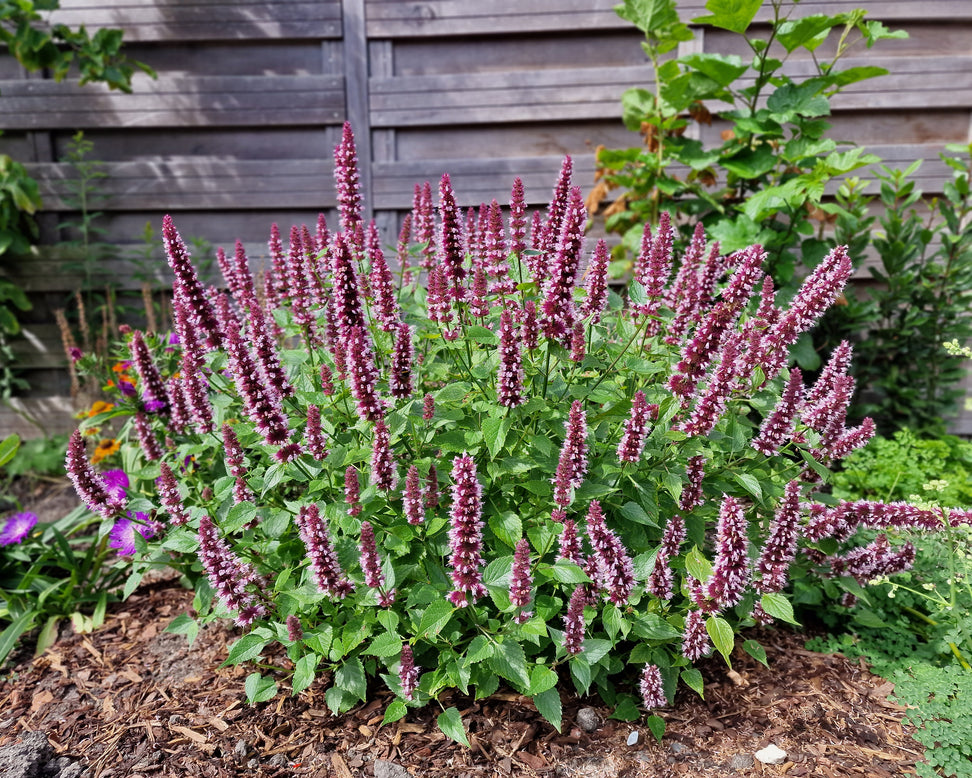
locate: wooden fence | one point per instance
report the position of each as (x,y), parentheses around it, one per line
(239,127)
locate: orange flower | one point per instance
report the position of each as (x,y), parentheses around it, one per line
(105,448)
(99,406)
(121,367)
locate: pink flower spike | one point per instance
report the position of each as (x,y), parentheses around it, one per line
(408,673)
(170,497)
(347,181)
(90,486)
(652,689)
(403,355)
(521,581)
(780,547)
(695,637)
(465,534)
(352,491)
(730,571)
(412,504)
(778,426)
(328,576)
(570,545)
(597,273)
(314,434)
(574,626)
(228,574)
(572,465)
(635,429)
(383,474)
(371,566)
(509,379)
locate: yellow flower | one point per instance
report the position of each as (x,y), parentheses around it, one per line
(99,406)
(105,448)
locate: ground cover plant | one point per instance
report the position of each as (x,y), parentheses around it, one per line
(479,468)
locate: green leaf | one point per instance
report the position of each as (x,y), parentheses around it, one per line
(541,679)
(751,162)
(494,433)
(808,32)
(450,722)
(351,677)
(184,624)
(239,516)
(722,69)
(396,710)
(595,649)
(304,672)
(868,618)
(634,512)
(478,334)
(657,726)
(580,670)
(722,635)
(386,644)
(779,607)
(507,527)
(509,661)
(259,689)
(803,99)
(651,626)
(756,651)
(247,647)
(625,709)
(750,483)
(435,617)
(567,573)
(693,679)
(479,649)
(697,565)
(8,448)
(732,15)
(549,706)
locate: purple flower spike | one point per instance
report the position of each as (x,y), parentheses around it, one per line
(521,582)
(408,673)
(652,689)
(517,218)
(466,533)
(348,182)
(695,638)
(450,248)
(530,327)
(597,273)
(352,491)
(89,486)
(780,547)
(661,582)
(778,426)
(509,378)
(432,489)
(615,570)
(386,306)
(404,238)
(345,298)
(233,454)
(636,428)
(316,442)
(403,355)
(551,230)
(572,465)
(146,438)
(371,566)
(479,299)
(170,496)
(383,474)
(364,375)
(423,221)
(730,571)
(558,290)
(295,631)
(578,343)
(412,504)
(17,527)
(692,492)
(228,574)
(574,622)
(187,285)
(428,407)
(570,545)
(154,396)
(328,576)
(327,381)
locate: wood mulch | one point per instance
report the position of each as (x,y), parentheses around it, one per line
(133,700)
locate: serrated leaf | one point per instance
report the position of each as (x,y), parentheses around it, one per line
(435,617)
(396,710)
(304,673)
(507,527)
(541,679)
(779,607)
(494,433)
(723,638)
(732,15)
(386,644)
(634,512)
(497,572)
(595,649)
(567,573)
(184,624)
(651,626)
(549,706)
(351,677)
(480,648)
(693,679)
(657,726)
(450,722)
(259,689)
(246,648)
(697,565)
(238,517)
(625,709)
(509,661)
(756,651)
(750,483)
(580,671)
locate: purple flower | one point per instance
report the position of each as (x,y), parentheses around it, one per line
(404,238)
(652,690)
(428,407)
(314,434)
(597,273)
(780,546)
(439,307)
(517,218)
(408,673)
(692,491)
(364,375)
(146,437)
(661,582)
(551,230)
(345,298)
(75,353)
(494,247)
(723,380)
(295,631)
(17,527)
(636,428)
(371,566)
(432,489)
(193,380)
(233,454)
(352,491)
(615,570)
(121,537)
(521,581)
(558,289)
(199,311)
(875,559)
(479,299)
(383,474)
(653,267)
(228,574)
(403,355)
(465,533)
(509,378)
(572,465)
(347,180)
(153,387)
(412,505)
(90,487)
(116,482)
(778,426)
(327,381)
(578,344)
(730,571)
(170,496)
(570,545)
(574,622)
(530,326)
(386,308)
(450,248)
(695,637)
(423,221)
(328,576)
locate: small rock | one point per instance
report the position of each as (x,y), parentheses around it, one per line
(772,754)
(633,738)
(240,748)
(588,720)
(386,769)
(279,760)
(677,748)
(741,762)
(253,764)
(26,758)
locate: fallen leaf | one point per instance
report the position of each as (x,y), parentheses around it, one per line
(340,766)
(40,700)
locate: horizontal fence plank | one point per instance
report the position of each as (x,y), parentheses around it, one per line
(480,180)
(394,18)
(588,93)
(173,20)
(196,183)
(53,415)
(175,102)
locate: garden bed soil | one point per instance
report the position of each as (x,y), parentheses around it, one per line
(133,700)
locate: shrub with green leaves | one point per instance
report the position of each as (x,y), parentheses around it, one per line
(477,469)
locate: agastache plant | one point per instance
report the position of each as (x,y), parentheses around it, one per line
(627,478)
